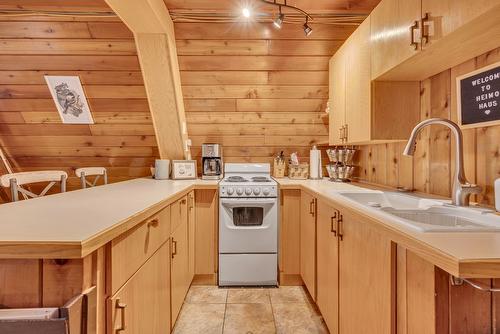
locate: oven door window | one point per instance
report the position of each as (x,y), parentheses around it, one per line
(248,216)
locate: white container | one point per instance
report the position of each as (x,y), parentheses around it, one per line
(497,194)
(162,169)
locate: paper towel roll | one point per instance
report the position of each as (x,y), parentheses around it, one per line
(162,169)
(315,163)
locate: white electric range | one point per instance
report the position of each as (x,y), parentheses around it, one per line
(248,226)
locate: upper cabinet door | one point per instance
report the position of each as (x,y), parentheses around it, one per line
(445,16)
(391,33)
(337,96)
(358,83)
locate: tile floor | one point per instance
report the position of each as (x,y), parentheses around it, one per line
(284,310)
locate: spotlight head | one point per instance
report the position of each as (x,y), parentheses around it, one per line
(278,22)
(246,12)
(307,29)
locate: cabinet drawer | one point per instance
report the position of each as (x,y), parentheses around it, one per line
(132,249)
(178,213)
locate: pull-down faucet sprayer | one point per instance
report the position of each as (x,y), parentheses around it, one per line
(462,189)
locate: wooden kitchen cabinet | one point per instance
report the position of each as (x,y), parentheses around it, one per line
(327,265)
(191,233)
(179,212)
(142,305)
(179,277)
(289,253)
(358,86)
(363,111)
(443,17)
(337,95)
(391,38)
(365,277)
(308,242)
(131,250)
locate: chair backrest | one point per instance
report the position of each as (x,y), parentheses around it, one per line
(82,173)
(16,180)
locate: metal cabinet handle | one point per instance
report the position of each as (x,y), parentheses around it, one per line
(333,220)
(122,307)
(346,132)
(153,223)
(412,35)
(183,201)
(340,226)
(174,248)
(311,207)
(425,32)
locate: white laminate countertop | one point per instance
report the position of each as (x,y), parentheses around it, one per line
(76,216)
(459,246)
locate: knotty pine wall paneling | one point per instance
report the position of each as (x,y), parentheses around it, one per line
(432,167)
(255,89)
(102,52)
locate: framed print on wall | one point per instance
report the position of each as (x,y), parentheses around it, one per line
(70,100)
(478,95)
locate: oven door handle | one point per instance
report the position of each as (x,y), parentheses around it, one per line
(250,201)
(248,227)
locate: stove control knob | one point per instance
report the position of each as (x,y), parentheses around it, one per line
(256,191)
(248,191)
(239,191)
(230,191)
(266,191)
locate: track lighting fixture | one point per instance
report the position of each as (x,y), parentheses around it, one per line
(278,22)
(307,29)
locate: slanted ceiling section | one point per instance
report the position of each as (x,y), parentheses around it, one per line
(255,89)
(102,52)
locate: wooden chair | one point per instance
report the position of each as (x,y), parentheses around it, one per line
(82,173)
(16,180)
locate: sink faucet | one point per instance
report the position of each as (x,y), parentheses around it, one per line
(462,189)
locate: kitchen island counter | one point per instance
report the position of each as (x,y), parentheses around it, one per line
(75,223)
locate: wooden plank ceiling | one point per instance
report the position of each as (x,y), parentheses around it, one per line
(255,89)
(102,52)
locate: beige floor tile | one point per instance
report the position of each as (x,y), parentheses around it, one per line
(249,319)
(206,294)
(298,318)
(200,318)
(242,296)
(288,294)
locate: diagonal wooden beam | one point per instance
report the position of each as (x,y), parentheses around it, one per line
(153,30)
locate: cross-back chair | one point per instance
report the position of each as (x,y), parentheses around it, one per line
(16,180)
(84,172)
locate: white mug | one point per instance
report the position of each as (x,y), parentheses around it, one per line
(162,169)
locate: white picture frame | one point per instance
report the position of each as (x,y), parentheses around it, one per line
(184,170)
(70,100)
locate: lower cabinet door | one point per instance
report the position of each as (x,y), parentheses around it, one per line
(142,305)
(366,278)
(327,272)
(308,242)
(179,268)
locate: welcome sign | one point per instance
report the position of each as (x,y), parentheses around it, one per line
(478,95)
